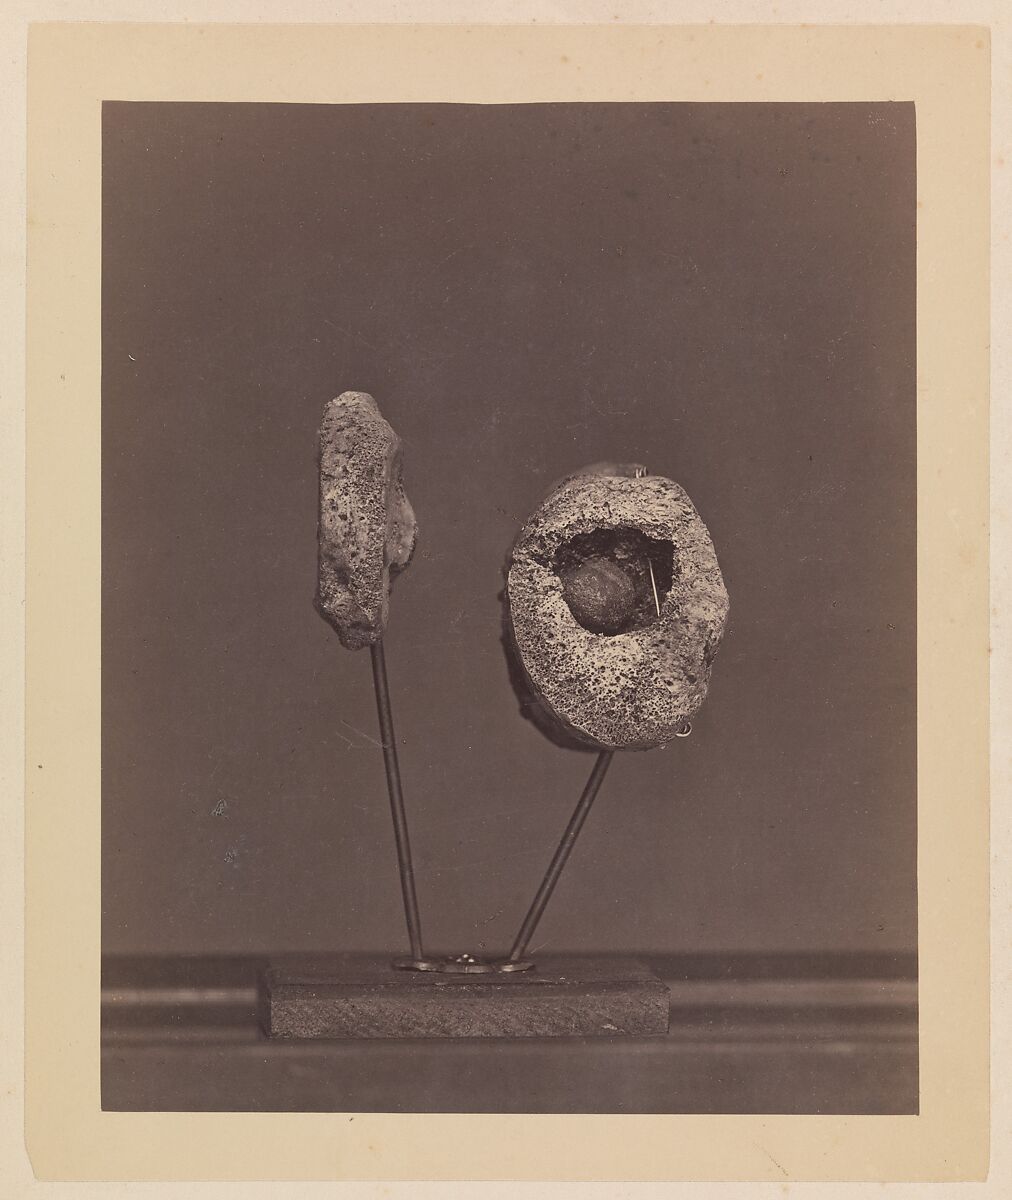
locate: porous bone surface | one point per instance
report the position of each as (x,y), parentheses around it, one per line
(367,528)
(634,689)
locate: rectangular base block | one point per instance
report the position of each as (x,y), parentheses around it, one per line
(368,998)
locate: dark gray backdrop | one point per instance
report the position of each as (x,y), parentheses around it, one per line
(725,292)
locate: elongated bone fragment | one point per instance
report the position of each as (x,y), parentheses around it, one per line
(607,548)
(367,528)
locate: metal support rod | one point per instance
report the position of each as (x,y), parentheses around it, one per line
(551,878)
(386,724)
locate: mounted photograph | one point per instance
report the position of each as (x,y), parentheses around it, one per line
(509,607)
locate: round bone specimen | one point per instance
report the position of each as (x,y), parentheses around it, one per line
(608,547)
(367,527)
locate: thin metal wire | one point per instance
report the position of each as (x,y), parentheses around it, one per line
(551,878)
(653,584)
(386,724)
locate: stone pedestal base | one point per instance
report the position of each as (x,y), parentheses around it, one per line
(367,998)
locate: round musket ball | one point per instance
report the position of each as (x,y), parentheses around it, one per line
(616,607)
(600,595)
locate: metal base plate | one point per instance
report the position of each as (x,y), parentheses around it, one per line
(463,964)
